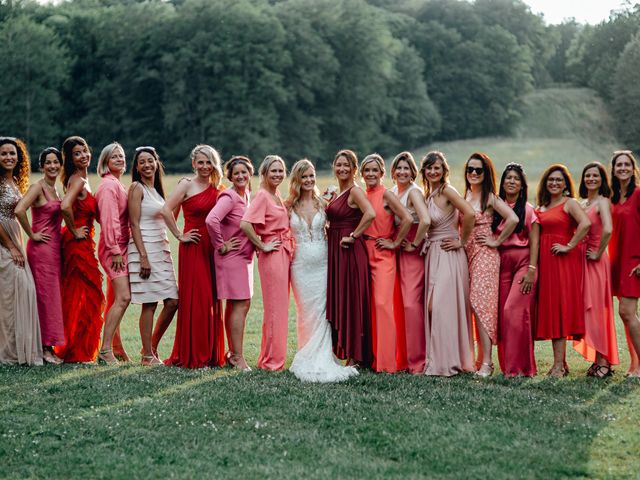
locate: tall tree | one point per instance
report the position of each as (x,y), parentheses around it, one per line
(626,94)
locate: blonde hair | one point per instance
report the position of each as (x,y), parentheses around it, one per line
(374,157)
(405,157)
(295,185)
(214,157)
(103,160)
(266,165)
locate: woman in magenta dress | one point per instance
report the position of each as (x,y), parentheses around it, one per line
(43,249)
(389,343)
(518,260)
(563,224)
(266,224)
(410,263)
(233,255)
(349,214)
(482,253)
(624,248)
(199,340)
(112,247)
(82,298)
(448,325)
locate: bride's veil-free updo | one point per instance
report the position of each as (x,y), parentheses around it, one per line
(295,185)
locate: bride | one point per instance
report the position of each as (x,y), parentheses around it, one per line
(314,361)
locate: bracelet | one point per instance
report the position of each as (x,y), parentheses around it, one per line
(532,267)
(569,245)
(353,236)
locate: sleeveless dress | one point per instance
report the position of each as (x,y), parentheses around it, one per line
(82,298)
(314,361)
(348,308)
(484,276)
(161,284)
(560,311)
(411,273)
(600,330)
(624,247)
(199,340)
(448,335)
(20,340)
(46,265)
(387,315)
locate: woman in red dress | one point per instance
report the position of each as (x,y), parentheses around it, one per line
(82,298)
(199,340)
(563,224)
(599,344)
(624,248)
(389,342)
(349,214)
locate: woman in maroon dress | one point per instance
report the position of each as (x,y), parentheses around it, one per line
(199,340)
(563,224)
(624,248)
(349,214)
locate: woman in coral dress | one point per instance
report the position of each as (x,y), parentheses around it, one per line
(113,216)
(44,249)
(448,325)
(624,248)
(20,340)
(387,319)
(563,224)
(233,255)
(266,224)
(410,263)
(482,253)
(518,264)
(348,310)
(199,340)
(82,298)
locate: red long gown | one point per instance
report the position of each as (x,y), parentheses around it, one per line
(624,247)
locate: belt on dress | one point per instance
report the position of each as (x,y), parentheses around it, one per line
(286,240)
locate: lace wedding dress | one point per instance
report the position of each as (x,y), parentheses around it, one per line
(314,361)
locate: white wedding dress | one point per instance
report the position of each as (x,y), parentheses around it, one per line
(314,361)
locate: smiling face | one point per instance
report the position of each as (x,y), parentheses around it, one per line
(8,157)
(51,166)
(240,176)
(475,172)
(202,166)
(402,173)
(512,183)
(116,162)
(556,183)
(342,169)
(275,174)
(147,166)
(308,180)
(81,157)
(593,179)
(434,172)
(623,168)
(372,174)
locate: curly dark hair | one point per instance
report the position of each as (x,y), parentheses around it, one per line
(22,170)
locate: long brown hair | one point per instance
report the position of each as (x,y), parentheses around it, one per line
(157,177)
(68,168)
(520,208)
(22,170)
(428,160)
(488,180)
(351,157)
(604,189)
(295,184)
(544,197)
(615,183)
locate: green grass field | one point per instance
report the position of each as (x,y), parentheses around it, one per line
(78,421)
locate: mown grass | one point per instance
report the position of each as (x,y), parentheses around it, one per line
(77,421)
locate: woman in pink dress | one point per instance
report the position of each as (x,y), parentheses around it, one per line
(448,326)
(599,344)
(112,248)
(233,255)
(266,224)
(389,343)
(410,263)
(518,260)
(482,253)
(43,249)
(199,340)
(563,224)
(624,248)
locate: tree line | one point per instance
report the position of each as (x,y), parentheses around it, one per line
(303,78)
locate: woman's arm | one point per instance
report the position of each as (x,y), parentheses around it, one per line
(510,222)
(25,204)
(405,222)
(134,202)
(424,219)
(173,204)
(368,215)
(468,219)
(218,213)
(604,210)
(109,216)
(534,248)
(76,185)
(16,254)
(249,231)
(573,208)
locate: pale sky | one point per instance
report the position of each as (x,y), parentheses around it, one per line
(584,11)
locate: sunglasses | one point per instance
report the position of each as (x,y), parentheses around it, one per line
(477,170)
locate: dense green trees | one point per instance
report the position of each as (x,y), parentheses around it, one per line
(298,77)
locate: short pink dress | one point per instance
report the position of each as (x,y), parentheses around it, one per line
(113,216)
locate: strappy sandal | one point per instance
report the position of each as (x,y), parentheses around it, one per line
(591,372)
(557,372)
(106,356)
(603,371)
(150,360)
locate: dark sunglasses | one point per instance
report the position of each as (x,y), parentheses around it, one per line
(477,170)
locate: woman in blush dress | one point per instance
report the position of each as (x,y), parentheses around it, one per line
(82,298)
(518,260)
(233,255)
(199,340)
(563,224)
(624,248)
(482,253)
(266,224)
(410,263)
(599,344)
(151,274)
(314,361)
(112,247)
(448,335)
(20,340)
(43,249)
(348,309)
(387,319)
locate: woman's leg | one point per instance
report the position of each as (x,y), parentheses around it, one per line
(628,309)
(146,327)
(234,324)
(162,324)
(121,299)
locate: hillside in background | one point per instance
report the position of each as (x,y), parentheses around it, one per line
(558,125)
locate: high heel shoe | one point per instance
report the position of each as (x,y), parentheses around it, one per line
(237,362)
(485,370)
(106,356)
(150,360)
(50,357)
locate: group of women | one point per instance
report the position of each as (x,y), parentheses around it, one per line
(401,279)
